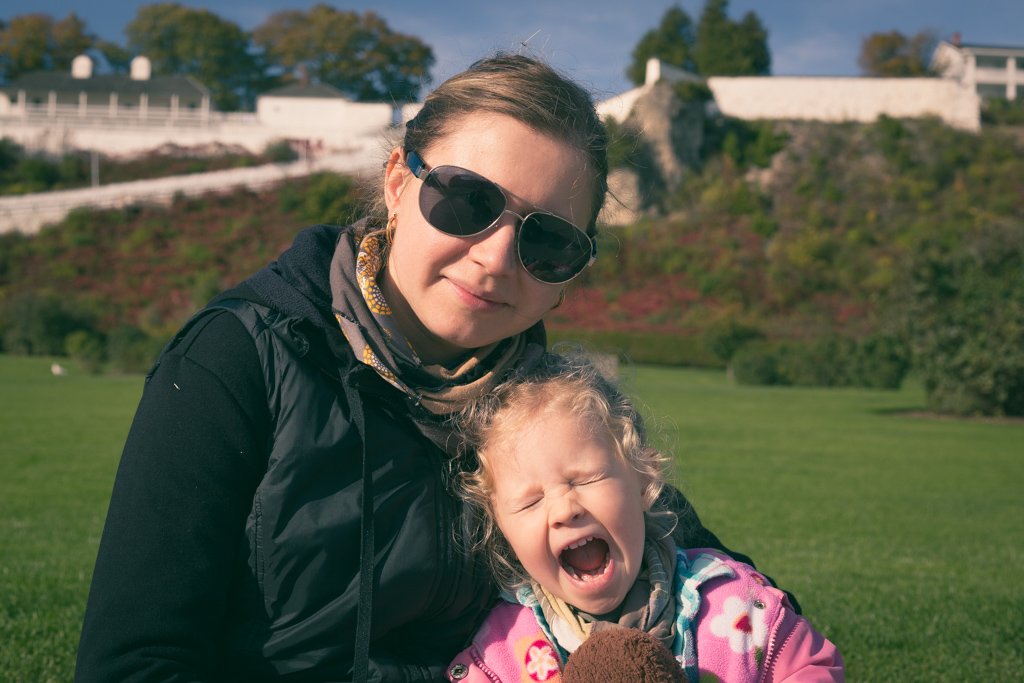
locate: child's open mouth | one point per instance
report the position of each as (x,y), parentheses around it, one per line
(585,560)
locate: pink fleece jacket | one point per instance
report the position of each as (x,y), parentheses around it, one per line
(746,630)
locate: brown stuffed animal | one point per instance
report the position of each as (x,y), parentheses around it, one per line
(622,655)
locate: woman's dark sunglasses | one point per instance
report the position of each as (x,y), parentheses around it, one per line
(462,203)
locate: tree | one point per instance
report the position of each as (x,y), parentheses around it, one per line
(671,42)
(68,39)
(894,54)
(358,54)
(118,58)
(727,48)
(196,42)
(33,42)
(964,317)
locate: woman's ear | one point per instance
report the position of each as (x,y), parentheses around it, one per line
(396,176)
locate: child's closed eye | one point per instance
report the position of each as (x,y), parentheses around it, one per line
(522,506)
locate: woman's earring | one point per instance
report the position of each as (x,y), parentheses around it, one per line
(561,299)
(389,230)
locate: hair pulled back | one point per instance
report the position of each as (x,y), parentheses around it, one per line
(529,91)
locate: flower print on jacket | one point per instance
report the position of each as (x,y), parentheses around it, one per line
(541,663)
(742,623)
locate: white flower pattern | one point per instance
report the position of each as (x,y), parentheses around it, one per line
(742,623)
(541,663)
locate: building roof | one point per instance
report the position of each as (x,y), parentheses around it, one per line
(47,81)
(321,90)
(977,48)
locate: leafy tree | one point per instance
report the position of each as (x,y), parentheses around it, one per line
(68,39)
(23,44)
(197,42)
(894,54)
(728,48)
(118,58)
(356,53)
(33,42)
(671,42)
(965,318)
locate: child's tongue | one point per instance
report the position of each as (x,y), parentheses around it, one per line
(588,557)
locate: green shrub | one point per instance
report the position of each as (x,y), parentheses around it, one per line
(38,323)
(756,364)
(279,151)
(822,363)
(878,362)
(964,317)
(643,347)
(692,91)
(331,198)
(132,350)
(724,338)
(87,349)
(1003,112)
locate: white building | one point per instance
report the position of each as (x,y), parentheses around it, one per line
(991,71)
(131,114)
(821,98)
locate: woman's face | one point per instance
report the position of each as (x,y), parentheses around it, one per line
(454,294)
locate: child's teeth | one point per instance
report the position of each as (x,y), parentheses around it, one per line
(579,543)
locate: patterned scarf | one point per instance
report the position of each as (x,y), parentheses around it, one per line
(368,324)
(650,604)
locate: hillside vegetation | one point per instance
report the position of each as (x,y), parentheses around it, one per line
(796,254)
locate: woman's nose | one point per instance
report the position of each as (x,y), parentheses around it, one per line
(495,249)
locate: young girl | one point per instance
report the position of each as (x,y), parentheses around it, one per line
(562,495)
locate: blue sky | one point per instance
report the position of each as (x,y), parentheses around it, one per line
(591,40)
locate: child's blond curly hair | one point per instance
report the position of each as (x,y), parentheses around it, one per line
(558,383)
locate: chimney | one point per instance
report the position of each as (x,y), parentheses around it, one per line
(81,67)
(955,39)
(141,68)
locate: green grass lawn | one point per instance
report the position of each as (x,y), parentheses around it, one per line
(901,536)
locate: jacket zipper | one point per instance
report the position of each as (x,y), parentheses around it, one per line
(769,664)
(479,661)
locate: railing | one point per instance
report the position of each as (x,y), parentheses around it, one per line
(105,115)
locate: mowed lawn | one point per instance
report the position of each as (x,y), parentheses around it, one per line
(902,536)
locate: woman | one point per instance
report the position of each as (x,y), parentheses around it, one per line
(282,508)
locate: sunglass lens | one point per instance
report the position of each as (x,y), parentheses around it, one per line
(460,202)
(551,249)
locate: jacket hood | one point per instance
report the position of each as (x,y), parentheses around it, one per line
(298,283)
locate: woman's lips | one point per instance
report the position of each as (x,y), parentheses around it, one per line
(477,301)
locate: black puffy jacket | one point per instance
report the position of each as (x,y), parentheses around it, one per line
(232,547)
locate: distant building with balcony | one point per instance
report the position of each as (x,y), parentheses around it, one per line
(121,114)
(992,71)
(86,96)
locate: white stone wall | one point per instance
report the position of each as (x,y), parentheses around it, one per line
(331,119)
(845,99)
(29,213)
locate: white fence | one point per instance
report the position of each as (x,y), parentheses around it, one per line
(106,115)
(29,213)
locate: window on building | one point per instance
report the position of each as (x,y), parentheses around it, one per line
(1020,63)
(991,91)
(990,62)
